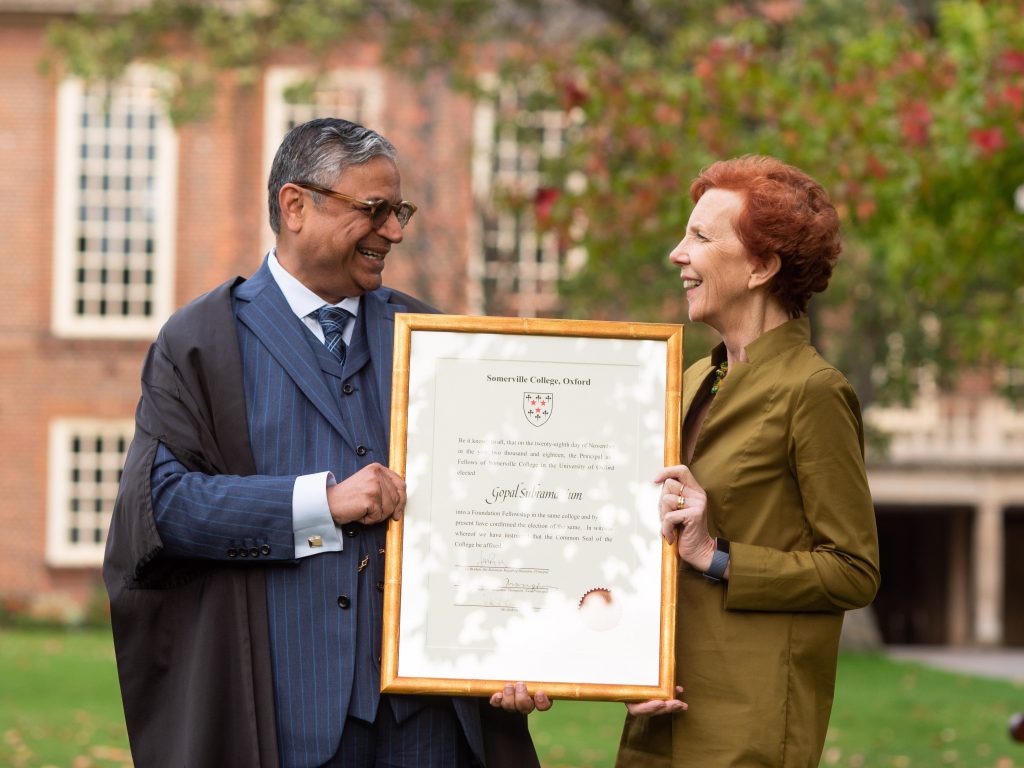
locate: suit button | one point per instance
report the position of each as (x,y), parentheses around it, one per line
(351,531)
(380,586)
(361,450)
(232,552)
(243,552)
(265,549)
(348,389)
(254,551)
(343,601)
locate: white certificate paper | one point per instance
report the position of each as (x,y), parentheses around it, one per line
(530,548)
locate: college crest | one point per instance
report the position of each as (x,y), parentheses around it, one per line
(537,407)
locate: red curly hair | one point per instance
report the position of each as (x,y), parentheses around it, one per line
(785,212)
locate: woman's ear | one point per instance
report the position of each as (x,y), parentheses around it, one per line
(763,270)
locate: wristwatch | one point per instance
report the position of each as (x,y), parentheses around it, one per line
(719,561)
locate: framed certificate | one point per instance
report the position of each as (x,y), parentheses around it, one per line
(530,548)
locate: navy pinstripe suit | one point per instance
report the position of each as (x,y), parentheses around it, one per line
(304,416)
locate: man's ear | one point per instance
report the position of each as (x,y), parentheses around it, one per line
(293,207)
(763,270)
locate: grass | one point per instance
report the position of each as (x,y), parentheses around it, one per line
(578,734)
(59,700)
(59,706)
(895,714)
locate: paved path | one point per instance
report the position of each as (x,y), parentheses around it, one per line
(1001,663)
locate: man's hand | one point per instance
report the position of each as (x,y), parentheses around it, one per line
(515,698)
(371,495)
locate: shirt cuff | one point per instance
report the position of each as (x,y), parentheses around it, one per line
(312,523)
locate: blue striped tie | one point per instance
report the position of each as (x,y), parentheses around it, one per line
(332,320)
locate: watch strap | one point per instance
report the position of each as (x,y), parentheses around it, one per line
(719,561)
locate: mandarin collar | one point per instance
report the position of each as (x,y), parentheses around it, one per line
(791,334)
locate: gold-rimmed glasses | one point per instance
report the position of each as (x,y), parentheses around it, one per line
(377,210)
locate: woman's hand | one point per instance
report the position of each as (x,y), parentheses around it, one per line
(658,706)
(683,510)
(515,698)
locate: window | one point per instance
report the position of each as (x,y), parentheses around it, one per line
(351,94)
(86,457)
(516,267)
(115,208)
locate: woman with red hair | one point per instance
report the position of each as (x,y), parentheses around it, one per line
(770,513)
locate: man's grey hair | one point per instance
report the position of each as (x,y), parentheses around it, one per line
(319,152)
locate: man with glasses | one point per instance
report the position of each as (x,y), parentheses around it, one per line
(245,561)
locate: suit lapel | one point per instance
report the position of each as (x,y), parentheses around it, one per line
(264,311)
(380,335)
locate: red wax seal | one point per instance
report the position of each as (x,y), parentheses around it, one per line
(599,609)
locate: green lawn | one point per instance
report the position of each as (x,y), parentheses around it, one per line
(59,707)
(896,714)
(59,702)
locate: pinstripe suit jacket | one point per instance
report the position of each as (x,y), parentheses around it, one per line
(298,419)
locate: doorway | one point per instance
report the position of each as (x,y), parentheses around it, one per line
(1013,571)
(925,564)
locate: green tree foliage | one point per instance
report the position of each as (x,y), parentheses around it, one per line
(911,114)
(917,131)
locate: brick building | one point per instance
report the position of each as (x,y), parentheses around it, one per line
(112,218)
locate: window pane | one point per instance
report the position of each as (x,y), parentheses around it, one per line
(89,458)
(521,266)
(122,147)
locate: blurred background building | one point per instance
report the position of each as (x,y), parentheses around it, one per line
(950,502)
(113,217)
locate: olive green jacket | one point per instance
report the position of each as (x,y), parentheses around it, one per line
(780,455)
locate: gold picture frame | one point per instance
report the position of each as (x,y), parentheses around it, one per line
(530,547)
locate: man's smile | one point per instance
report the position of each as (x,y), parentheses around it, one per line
(370,254)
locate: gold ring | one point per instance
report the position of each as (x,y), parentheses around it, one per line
(682,502)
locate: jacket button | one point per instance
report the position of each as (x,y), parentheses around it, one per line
(254,551)
(243,552)
(348,389)
(380,586)
(232,552)
(343,601)
(351,531)
(361,450)
(265,549)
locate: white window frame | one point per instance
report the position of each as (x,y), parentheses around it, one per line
(60,552)
(161,201)
(366,83)
(516,234)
